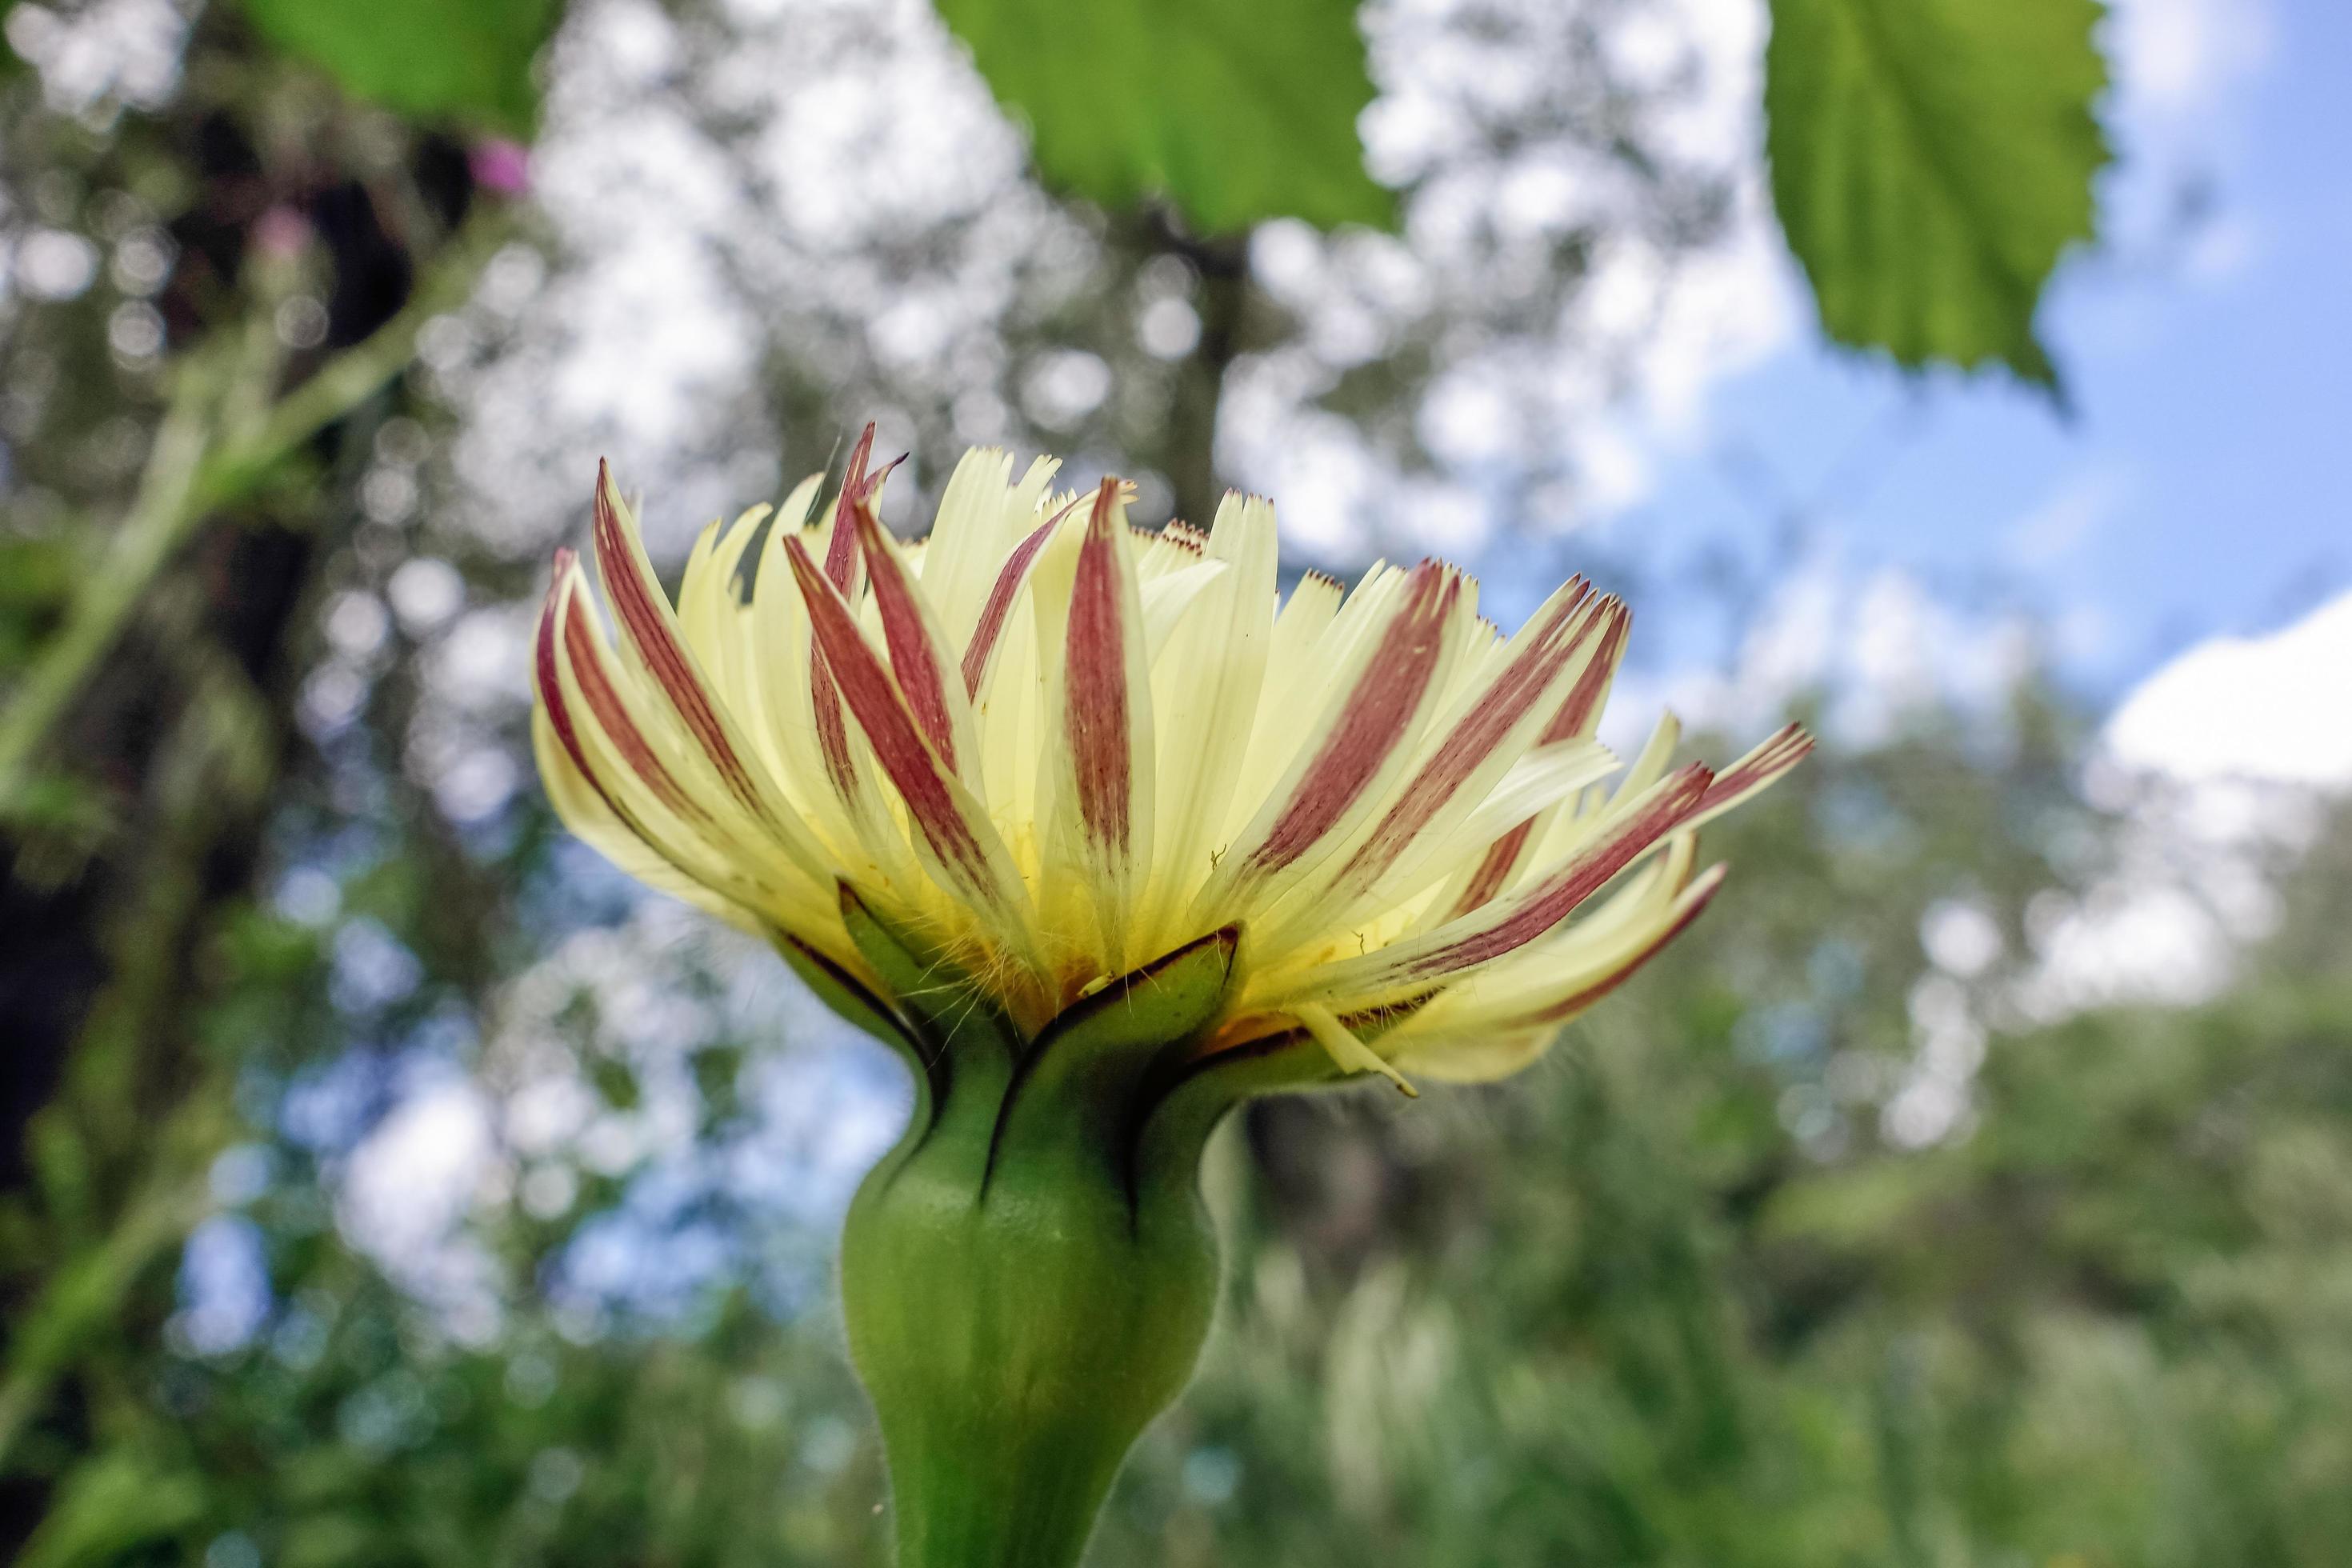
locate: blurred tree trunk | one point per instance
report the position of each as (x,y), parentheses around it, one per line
(1189,453)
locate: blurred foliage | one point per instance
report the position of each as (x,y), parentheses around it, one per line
(1931,160)
(1675,1298)
(469,61)
(1235,111)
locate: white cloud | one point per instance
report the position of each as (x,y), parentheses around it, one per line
(2179,58)
(2214,762)
(2269,709)
(2229,246)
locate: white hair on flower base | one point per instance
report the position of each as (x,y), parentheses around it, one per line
(1056,747)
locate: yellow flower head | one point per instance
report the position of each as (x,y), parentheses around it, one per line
(1045,748)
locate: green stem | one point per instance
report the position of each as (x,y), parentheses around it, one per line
(354,376)
(1022,1298)
(145,539)
(1016,1345)
(196,467)
(90,1292)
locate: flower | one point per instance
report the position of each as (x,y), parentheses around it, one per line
(1057,747)
(1104,843)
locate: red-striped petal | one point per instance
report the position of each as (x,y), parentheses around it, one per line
(1511,923)
(604,700)
(841,563)
(1695,904)
(1579,711)
(1555,897)
(917,654)
(981,652)
(548,678)
(1780,751)
(1374,719)
(1476,739)
(841,553)
(1577,717)
(574,681)
(1096,719)
(1494,869)
(958,838)
(645,618)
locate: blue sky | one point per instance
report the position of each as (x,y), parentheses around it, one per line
(2198,486)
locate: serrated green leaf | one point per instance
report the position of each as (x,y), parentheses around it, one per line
(1236,111)
(1931,160)
(464,59)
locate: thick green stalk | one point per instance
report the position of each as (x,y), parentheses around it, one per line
(1028,1278)
(1016,1341)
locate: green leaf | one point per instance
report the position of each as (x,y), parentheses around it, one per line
(1236,111)
(464,59)
(1931,160)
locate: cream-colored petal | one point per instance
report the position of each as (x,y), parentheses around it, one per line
(1056,747)
(593,820)
(1167,597)
(656,653)
(966,542)
(1390,662)
(1347,1052)
(1481,732)
(1205,687)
